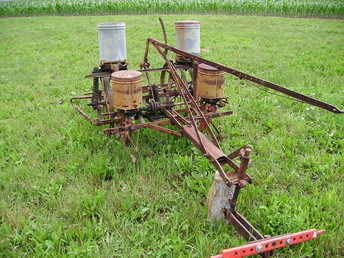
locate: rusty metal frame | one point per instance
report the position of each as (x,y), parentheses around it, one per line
(212,150)
(189,117)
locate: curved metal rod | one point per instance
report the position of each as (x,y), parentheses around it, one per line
(164,33)
(94,121)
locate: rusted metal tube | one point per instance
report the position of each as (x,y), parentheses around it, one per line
(245,76)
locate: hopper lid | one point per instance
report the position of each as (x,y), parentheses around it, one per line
(111,25)
(187,22)
(126,75)
(207,67)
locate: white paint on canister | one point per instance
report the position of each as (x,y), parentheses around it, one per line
(112,43)
(188,36)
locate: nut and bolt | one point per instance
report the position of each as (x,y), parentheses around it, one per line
(289,241)
(259,248)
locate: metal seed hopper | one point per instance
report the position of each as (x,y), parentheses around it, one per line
(188,94)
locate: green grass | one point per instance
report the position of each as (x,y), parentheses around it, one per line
(67,190)
(322,8)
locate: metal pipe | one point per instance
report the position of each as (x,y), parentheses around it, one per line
(245,76)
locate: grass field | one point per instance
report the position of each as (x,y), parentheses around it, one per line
(67,190)
(299,8)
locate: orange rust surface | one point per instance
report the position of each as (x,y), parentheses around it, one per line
(210,82)
(126,89)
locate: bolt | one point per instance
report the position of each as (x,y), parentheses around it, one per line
(259,248)
(289,241)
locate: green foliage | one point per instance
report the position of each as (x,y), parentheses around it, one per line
(67,190)
(309,8)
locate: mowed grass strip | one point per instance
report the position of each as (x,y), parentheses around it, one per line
(304,8)
(69,190)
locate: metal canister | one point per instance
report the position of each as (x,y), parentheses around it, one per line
(126,88)
(188,36)
(112,44)
(210,82)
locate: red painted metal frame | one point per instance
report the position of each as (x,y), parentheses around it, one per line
(268,244)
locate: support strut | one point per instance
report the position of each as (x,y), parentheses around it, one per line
(245,76)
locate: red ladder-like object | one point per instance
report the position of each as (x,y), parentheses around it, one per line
(268,244)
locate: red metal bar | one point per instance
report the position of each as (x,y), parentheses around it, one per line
(268,244)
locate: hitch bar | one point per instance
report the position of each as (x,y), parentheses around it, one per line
(268,244)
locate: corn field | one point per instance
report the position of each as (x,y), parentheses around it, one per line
(294,8)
